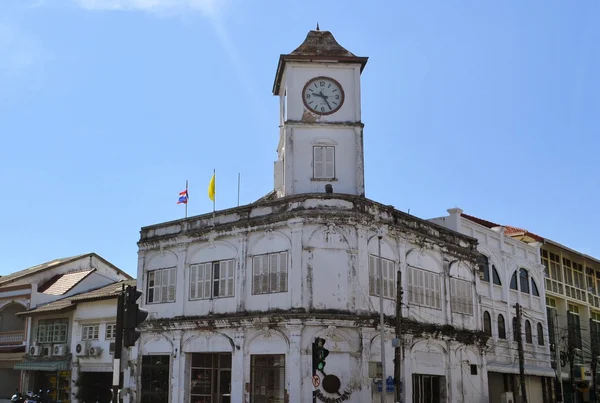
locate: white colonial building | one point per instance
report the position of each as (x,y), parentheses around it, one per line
(510,274)
(36,286)
(237,299)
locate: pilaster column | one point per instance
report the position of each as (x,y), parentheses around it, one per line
(237,367)
(295,372)
(177,369)
(407,368)
(366,392)
(181,280)
(295,272)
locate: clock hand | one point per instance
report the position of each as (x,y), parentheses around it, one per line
(325,99)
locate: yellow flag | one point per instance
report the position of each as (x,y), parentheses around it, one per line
(211,188)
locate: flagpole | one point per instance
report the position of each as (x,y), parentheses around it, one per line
(187,197)
(239,189)
(215,195)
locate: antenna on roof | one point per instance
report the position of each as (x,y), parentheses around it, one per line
(318,26)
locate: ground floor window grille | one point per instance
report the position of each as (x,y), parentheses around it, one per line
(429,389)
(268,378)
(211,378)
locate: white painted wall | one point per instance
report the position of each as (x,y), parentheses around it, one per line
(508,255)
(328,270)
(298,74)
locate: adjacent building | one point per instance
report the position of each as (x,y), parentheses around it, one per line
(236,298)
(510,274)
(27,289)
(72,345)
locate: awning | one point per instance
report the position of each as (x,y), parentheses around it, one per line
(43,366)
(514,369)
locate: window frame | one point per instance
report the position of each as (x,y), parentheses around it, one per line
(280,276)
(90,332)
(501,330)
(388,267)
(209,285)
(112,326)
(461,296)
(158,288)
(324,162)
(52,329)
(418,290)
(487,323)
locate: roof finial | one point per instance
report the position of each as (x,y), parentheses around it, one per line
(318,26)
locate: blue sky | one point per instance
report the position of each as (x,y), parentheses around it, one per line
(108,106)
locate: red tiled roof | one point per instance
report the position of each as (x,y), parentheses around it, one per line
(70,303)
(61,284)
(508,230)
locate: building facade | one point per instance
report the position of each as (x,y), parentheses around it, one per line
(236,298)
(72,345)
(510,273)
(24,291)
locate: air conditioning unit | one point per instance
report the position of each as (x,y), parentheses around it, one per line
(35,350)
(82,348)
(507,397)
(59,349)
(94,351)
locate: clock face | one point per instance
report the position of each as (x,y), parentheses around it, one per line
(323,95)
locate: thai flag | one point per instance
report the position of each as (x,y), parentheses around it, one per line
(183,197)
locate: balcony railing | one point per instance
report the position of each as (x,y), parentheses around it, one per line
(12,338)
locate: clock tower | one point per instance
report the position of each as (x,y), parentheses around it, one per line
(321,134)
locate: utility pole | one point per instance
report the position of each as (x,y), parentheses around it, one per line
(381,322)
(572,368)
(398,355)
(594,395)
(559,398)
(521,355)
(118,346)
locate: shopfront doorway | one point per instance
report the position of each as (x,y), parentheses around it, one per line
(211,378)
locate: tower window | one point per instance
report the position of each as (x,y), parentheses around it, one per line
(323,162)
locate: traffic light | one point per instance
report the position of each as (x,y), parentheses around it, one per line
(319,353)
(133,316)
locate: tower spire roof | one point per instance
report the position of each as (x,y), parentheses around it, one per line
(317,46)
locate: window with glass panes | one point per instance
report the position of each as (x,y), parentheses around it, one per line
(212,279)
(210,377)
(574,326)
(389,276)
(553,272)
(111,331)
(90,332)
(267,374)
(161,285)
(270,273)
(52,331)
(424,288)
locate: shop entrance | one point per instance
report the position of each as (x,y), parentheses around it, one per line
(211,378)
(95,387)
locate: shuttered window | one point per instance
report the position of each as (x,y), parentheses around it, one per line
(161,285)
(270,273)
(461,296)
(212,279)
(387,266)
(424,288)
(324,162)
